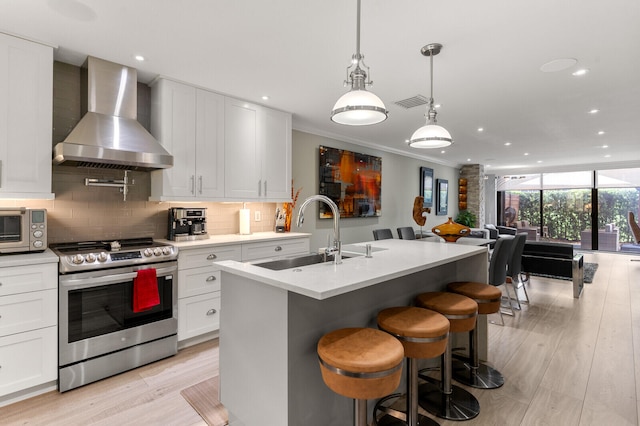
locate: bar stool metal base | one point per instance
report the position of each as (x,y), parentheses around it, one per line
(458,405)
(394,417)
(482,377)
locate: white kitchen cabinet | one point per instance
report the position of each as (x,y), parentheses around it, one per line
(199,288)
(189,123)
(28,326)
(28,359)
(257,152)
(26,93)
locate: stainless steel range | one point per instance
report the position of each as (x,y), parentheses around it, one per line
(100,331)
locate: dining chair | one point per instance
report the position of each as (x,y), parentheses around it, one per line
(514,268)
(382,234)
(406,233)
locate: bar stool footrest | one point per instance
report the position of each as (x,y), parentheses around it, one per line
(483,377)
(395,417)
(458,405)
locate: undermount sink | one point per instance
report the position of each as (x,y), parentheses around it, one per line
(298,261)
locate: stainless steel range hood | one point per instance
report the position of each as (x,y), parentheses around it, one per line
(109,135)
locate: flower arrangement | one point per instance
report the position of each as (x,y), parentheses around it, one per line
(289,207)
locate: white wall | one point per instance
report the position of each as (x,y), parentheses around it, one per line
(400,186)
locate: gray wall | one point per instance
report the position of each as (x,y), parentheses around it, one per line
(400,186)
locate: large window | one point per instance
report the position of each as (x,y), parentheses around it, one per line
(561,206)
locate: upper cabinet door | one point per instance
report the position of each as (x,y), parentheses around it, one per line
(173,123)
(26,93)
(242,153)
(276,155)
(209,144)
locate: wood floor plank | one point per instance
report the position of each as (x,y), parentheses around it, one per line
(550,407)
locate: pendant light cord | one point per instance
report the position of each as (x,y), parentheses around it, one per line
(358,33)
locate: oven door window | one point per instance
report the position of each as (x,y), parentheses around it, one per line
(10,227)
(105,309)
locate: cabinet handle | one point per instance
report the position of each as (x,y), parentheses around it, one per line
(193,184)
(211,256)
(211,278)
(200,184)
(265,188)
(260,188)
(211,312)
(278,248)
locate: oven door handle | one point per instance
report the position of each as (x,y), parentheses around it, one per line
(96,281)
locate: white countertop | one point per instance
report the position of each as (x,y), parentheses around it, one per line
(391,259)
(46,256)
(217,240)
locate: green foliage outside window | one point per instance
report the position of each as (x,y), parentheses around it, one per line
(568,211)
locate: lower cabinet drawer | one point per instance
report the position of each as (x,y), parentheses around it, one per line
(198,315)
(195,281)
(28,359)
(269,249)
(28,311)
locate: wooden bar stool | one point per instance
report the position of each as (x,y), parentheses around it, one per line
(360,363)
(424,334)
(443,399)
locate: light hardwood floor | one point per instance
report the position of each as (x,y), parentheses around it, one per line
(566,362)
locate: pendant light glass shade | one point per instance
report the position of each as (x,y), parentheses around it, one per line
(431,135)
(358,107)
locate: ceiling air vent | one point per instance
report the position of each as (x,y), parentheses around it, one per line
(412,102)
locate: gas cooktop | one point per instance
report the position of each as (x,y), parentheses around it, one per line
(91,255)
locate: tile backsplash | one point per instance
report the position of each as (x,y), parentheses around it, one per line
(81,213)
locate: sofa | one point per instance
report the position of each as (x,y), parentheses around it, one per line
(608,238)
(555,259)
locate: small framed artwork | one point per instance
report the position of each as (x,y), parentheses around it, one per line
(426,186)
(442,197)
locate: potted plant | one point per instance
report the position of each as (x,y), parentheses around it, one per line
(467,218)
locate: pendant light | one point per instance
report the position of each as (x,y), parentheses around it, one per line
(431,135)
(358,107)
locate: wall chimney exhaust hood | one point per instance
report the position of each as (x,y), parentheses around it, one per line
(109,135)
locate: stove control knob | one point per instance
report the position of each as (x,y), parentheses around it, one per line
(157,251)
(102,257)
(166,250)
(90,258)
(148,252)
(77,259)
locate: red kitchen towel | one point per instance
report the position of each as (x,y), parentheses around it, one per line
(145,290)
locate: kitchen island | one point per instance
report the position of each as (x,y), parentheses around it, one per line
(272,320)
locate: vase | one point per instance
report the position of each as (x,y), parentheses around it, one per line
(450,231)
(287,208)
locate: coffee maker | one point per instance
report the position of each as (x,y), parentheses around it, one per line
(187,224)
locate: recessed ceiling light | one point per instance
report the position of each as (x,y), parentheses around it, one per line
(437,105)
(443,151)
(558,65)
(594,111)
(605,146)
(406,141)
(607,156)
(265,98)
(601,132)
(139,58)
(580,72)
(468,159)
(539,161)
(507,143)
(480,129)
(526,153)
